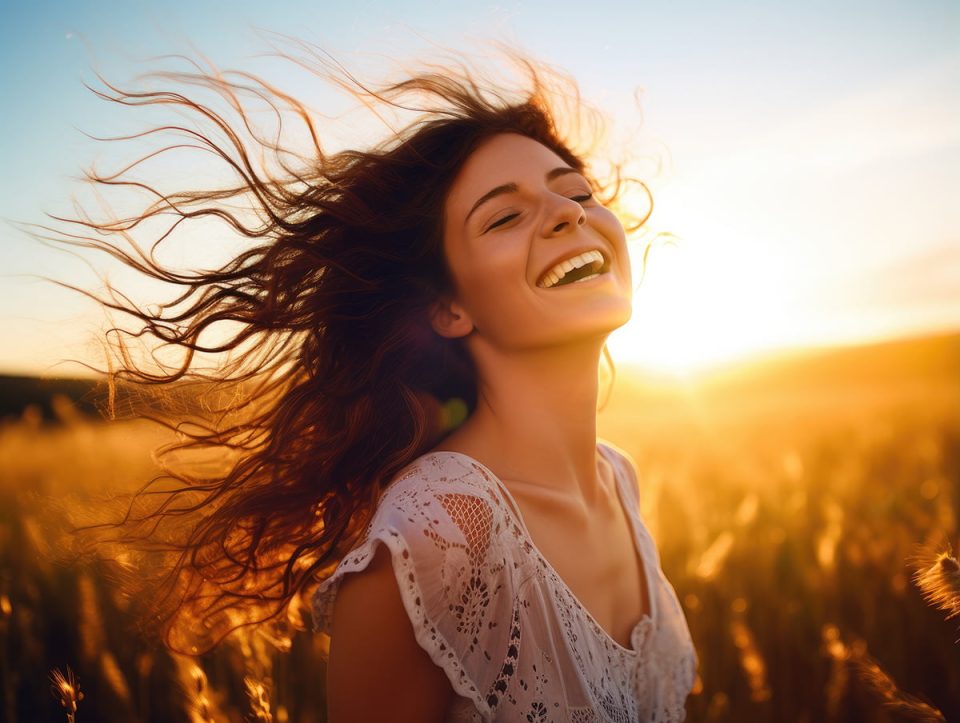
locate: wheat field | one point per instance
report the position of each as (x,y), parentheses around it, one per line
(797,503)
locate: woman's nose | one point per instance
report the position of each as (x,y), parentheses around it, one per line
(564,214)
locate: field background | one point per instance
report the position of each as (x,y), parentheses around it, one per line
(789,497)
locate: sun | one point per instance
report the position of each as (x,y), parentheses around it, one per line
(697,306)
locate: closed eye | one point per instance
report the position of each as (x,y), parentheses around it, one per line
(582,198)
(500,222)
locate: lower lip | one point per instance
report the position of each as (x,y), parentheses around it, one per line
(582,282)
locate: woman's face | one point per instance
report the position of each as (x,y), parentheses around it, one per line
(520,232)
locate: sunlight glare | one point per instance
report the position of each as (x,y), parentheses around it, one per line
(699,304)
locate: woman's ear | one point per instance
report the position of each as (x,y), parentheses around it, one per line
(449,319)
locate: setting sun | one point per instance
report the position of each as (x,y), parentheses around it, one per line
(697,305)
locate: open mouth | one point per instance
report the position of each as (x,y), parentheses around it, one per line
(585,266)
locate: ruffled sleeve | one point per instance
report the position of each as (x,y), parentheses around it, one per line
(454,577)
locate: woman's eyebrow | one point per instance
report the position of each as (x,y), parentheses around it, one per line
(512,187)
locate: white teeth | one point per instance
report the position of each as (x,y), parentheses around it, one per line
(564,267)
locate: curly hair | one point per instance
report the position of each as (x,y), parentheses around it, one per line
(331,379)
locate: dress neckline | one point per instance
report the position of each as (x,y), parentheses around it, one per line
(514,509)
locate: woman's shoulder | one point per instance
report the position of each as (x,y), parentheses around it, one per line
(448,472)
(442,526)
(457,483)
(439,526)
(442,471)
(447,497)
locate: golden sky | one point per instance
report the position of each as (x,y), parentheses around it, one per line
(809,156)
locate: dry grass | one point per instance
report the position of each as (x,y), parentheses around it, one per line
(940,582)
(789,510)
(67,690)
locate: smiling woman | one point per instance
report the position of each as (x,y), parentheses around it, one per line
(513,239)
(491,565)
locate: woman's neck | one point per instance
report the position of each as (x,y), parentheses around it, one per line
(536,419)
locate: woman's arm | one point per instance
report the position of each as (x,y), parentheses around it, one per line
(376,670)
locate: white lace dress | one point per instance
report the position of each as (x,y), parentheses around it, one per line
(491,611)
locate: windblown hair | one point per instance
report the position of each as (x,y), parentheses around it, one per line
(331,379)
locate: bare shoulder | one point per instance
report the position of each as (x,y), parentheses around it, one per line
(377,670)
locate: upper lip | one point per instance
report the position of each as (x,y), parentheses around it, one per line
(573,254)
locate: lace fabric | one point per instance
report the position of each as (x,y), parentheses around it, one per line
(488,608)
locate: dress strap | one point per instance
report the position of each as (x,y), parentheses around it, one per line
(617,465)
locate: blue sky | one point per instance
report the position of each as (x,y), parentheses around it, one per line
(813,149)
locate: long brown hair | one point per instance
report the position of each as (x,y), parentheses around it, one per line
(331,379)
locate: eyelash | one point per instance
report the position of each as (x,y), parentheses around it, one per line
(582,198)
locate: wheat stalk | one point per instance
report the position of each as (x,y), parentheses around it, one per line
(67,689)
(939,582)
(259,695)
(201,703)
(873,679)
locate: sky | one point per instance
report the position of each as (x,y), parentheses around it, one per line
(804,156)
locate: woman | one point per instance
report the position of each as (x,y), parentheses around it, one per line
(488,569)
